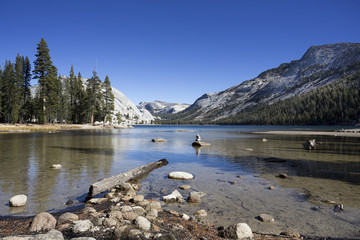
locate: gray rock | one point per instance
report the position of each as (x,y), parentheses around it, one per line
(56,166)
(109,222)
(143,224)
(154,205)
(173,197)
(194,199)
(42,222)
(51,235)
(130,216)
(98,221)
(238,231)
(82,226)
(18,200)
(118,232)
(181,175)
(134,233)
(158,140)
(67,217)
(126,208)
(199,194)
(201,213)
(139,210)
(184,216)
(138,198)
(88,210)
(18,238)
(125,187)
(153,213)
(283,175)
(165,237)
(185,187)
(116,215)
(266,218)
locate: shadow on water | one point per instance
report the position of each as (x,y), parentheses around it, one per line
(85,150)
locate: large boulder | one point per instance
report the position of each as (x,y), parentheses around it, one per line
(43,221)
(181,176)
(18,200)
(82,226)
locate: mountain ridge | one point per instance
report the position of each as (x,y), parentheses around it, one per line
(318,66)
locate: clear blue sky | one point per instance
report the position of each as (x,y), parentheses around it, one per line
(174,50)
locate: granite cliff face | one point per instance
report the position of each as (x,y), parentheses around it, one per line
(320,65)
(128,110)
(159,107)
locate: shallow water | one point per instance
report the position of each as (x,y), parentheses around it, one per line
(300,202)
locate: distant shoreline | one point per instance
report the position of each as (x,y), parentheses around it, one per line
(339,133)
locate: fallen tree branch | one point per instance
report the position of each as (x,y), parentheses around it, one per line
(130,175)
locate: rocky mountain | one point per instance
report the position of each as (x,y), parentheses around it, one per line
(159,107)
(128,110)
(319,66)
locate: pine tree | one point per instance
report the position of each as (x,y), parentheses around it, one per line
(46,73)
(17,90)
(26,108)
(8,90)
(108,100)
(94,96)
(80,100)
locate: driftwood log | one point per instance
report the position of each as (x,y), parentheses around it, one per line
(130,175)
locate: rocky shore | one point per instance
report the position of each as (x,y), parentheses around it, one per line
(122,214)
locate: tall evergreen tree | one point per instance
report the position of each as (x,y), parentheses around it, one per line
(94,96)
(108,100)
(17,90)
(26,108)
(8,90)
(46,73)
(80,100)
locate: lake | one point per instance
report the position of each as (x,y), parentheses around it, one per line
(304,201)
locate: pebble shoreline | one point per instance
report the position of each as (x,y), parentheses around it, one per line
(122,214)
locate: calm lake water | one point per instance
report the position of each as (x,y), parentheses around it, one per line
(329,173)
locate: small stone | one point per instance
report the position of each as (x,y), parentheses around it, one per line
(155,228)
(56,166)
(239,176)
(233,182)
(67,217)
(134,233)
(82,226)
(266,218)
(97,200)
(184,216)
(18,200)
(116,215)
(138,198)
(175,213)
(119,231)
(130,216)
(181,175)
(88,210)
(156,205)
(194,199)
(153,213)
(199,194)
(62,227)
(142,223)
(158,140)
(139,210)
(264,140)
(249,149)
(69,202)
(98,221)
(125,187)
(272,188)
(52,234)
(201,213)
(185,187)
(339,208)
(291,233)
(283,175)
(126,208)
(109,222)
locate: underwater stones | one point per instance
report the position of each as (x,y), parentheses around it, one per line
(266,218)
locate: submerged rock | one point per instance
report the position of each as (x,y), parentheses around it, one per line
(158,140)
(266,218)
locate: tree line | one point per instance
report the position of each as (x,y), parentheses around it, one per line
(57,99)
